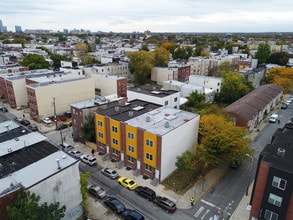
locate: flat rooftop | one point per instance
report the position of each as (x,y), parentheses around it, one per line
(152,91)
(162,120)
(130,110)
(98,101)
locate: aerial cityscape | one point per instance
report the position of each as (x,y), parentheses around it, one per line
(146,111)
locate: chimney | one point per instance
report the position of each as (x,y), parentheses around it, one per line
(281,152)
(58,164)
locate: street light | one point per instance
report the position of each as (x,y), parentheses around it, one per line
(250,172)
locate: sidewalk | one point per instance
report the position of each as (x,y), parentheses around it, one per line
(198,191)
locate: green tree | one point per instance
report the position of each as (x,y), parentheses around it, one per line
(280,58)
(233,87)
(56,58)
(161,57)
(26,207)
(35,61)
(84,192)
(187,161)
(196,101)
(144,47)
(88,129)
(141,63)
(263,53)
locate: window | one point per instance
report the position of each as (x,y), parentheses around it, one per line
(149,143)
(114,129)
(175,99)
(269,215)
(279,183)
(101,135)
(115,151)
(130,135)
(149,156)
(115,141)
(166,102)
(130,148)
(275,200)
(148,167)
(100,123)
(130,159)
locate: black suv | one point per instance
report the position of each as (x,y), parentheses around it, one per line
(115,205)
(165,204)
(146,192)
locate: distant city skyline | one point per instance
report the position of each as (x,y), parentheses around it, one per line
(155,16)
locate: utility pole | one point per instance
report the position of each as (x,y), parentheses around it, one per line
(55,116)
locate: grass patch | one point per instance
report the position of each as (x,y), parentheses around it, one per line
(181,180)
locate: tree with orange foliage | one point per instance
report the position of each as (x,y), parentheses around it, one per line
(283,77)
(220,141)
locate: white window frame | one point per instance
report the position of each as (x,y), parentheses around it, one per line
(114,129)
(130,159)
(149,156)
(130,135)
(100,123)
(101,135)
(149,143)
(279,183)
(269,215)
(115,141)
(149,168)
(130,148)
(275,200)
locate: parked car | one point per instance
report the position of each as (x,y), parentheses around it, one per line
(127,183)
(25,122)
(47,120)
(284,106)
(17,119)
(88,159)
(97,191)
(114,204)
(75,153)
(65,147)
(3,109)
(146,192)
(288,102)
(67,114)
(130,214)
(61,127)
(62,117)
(273,118)
(112,174)
(53,118)
(33,127)
(165,203)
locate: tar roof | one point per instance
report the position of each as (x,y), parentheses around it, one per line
(23,157)
(130,110)
(152,90)
(280,152)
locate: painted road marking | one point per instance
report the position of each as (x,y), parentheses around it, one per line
(207,211)
(198,212)
(210,204)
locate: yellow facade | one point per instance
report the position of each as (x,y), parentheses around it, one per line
(100,127)
(150,150)
(115,133)
(131,141)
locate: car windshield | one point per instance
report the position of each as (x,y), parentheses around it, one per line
(131,182)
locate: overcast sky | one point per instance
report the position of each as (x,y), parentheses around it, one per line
(153,15)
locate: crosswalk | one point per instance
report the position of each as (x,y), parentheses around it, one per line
(207,211)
